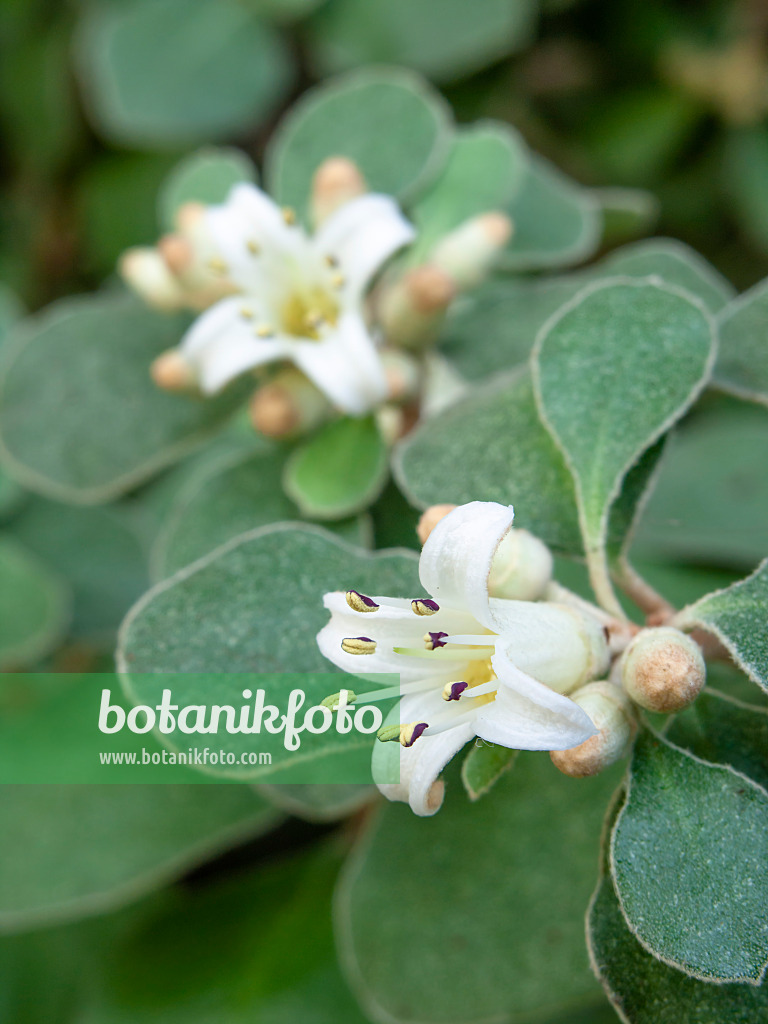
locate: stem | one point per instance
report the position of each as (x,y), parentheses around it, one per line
(657,610)
(600,579)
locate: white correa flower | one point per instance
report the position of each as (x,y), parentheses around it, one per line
(300,298)
(489,667)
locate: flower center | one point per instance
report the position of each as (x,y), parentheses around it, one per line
(305,313)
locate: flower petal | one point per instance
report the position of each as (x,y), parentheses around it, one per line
(221,345)
(344,365)
(526,715)
(457,557)
(362,234)
(421,764)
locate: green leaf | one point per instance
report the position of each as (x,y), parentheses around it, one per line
(341,470)
(493,327)
(720,729)
(168,73)
(446,39)
(491,446)
(11,310)
(483,766)
(104,846)
(389,121)
(745,166)
(257,946)
(645,991)
(486,167)
(708,505)
(203,177)
(253,606)
(80,419)
(316,802)
(629,506)
(500,885)
(34,606)
(12,496)
(613,371)
(556,222)
(99,555)
(226,497)
(676,264)
(692,895)
(742,361)
(737,616)
(627,213)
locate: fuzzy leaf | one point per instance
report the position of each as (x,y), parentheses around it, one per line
(483,766)
(694,898)
(80,419)
(34,606)
(466,882)
(255,605)
(341,470)
(103,846)
(613,371)
(166,73)
(737,616)
(387,120)
(742,362)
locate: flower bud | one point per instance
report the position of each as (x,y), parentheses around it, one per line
(663,669)
(468,253)
(176,252)
(403,374)
(411,308)
(430,519)
(521,567)
(288,405)
(337,180)
(611,715)
(148,274)
(171,372)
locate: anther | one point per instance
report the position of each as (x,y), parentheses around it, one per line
(424,606)
(359,602)
(218,266)
(289,215)
(253,247)
(406,735)
(453,691)
(332,702)
(246,313)
(358,645)
(434,640)
(264,331)
(331,261)
(338,280)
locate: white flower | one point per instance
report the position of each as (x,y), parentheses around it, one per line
(489,667)
(299,298)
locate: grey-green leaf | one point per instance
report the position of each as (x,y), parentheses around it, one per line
(339,471)
(742,362)
(556,221)
(491,446)
(103,846)
(483,766)
(80,419)
(443,38)
(645,991)
(737,617)
(689,858)
(168,73)
(388,120)
(255,605)
(613,371)
(203,177)
(500,884)
(34,606)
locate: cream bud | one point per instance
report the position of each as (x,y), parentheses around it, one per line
(468,253)
(663,669)
(288,405)
(611,715)
(521,567)
(411,308)
(337,180)
(430,518)
(171,372)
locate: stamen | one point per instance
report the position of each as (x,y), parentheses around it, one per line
(246,313)
(473,639)
(338,280)
(424,606)
(359,602)
(358,645)
(289,215)
(314,319)
(253,247)
(404,734)
(456,653)
(332,702)
(434,640)
(331,261)
(218,266)
(453,691)
(264,331)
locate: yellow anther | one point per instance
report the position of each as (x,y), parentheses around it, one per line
(253,247)
(358,645)
(218,266)
(289,215)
